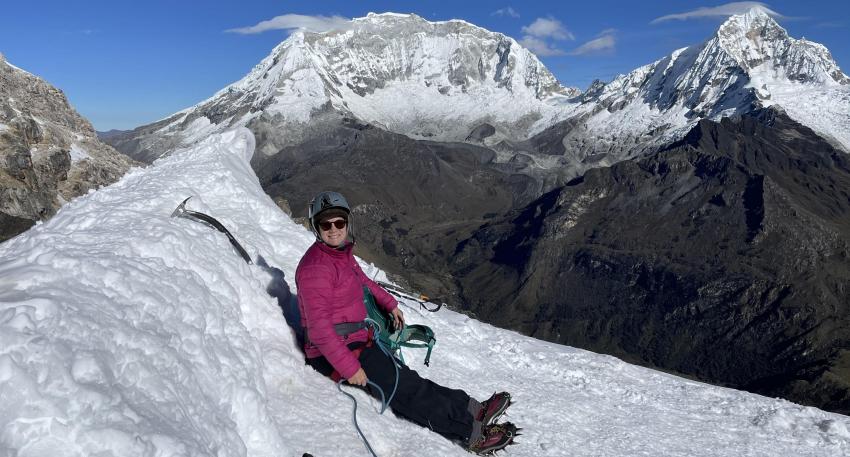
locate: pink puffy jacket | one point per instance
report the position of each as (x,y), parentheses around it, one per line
(330,291)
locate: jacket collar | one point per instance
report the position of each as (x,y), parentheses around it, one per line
(339,253)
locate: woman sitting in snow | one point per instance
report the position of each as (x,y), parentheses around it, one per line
(330,297)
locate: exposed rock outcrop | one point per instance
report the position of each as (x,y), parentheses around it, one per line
(49,154)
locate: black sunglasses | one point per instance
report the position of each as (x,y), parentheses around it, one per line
(340,224)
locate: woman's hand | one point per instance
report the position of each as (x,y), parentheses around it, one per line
(398,318)
(359,378)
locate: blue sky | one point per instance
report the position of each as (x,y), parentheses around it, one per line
(127,63)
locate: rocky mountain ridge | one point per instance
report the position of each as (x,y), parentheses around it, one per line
(724,256)
(49,154)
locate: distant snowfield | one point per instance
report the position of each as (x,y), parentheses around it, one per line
(825,110)
(124,332)
(420,112)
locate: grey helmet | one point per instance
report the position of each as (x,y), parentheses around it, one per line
(324,201)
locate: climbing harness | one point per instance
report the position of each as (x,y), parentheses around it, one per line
(409,336)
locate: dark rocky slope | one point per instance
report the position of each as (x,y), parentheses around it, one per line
(413,200)
(724,257)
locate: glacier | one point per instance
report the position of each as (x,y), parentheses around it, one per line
(126,332)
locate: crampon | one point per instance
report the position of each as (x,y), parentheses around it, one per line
(494,438)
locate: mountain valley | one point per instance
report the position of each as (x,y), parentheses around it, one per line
(724,256)
(690,215)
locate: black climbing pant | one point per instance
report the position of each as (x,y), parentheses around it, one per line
(417,399)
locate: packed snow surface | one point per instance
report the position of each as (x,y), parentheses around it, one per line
(125,332)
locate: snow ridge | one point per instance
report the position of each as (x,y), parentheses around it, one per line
(124,331)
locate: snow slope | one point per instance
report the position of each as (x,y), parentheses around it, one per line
(124,332)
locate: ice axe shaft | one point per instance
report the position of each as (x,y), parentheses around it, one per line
(421,298)
(181,211)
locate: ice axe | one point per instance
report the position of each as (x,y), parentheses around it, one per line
(181,211)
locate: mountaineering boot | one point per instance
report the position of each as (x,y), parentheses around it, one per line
(494,437)
(494,407)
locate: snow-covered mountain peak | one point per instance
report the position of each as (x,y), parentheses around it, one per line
(444,80)
(750,62)
(754,19)
(388,14)
(390,19)
(757,42)
(451,56)
(751,37)
(435,80)
(411,20)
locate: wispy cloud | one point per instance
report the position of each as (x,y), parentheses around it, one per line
(830,25)
(540,47)
(296,21)
(505,12)
(539,36)
(86,32)
(548,28)
(725,10)
(604,43)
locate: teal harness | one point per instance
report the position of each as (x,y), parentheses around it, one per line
(410,336)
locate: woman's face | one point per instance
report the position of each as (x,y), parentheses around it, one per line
(334,231)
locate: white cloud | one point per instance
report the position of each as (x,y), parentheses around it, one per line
(505,12)
(539,34)
(540,47)
(296,21)
(548,28)
(725,10)
(604,42)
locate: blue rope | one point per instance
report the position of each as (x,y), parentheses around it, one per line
(386,352)
(384,401)
(362,436)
